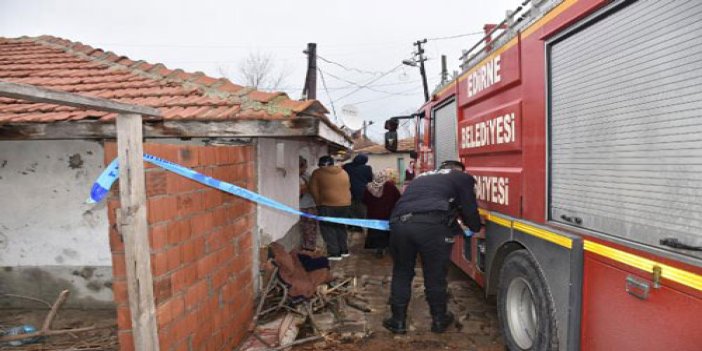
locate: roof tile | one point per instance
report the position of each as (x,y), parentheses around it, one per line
(60,64)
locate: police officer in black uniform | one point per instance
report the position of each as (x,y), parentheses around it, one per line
(424,221)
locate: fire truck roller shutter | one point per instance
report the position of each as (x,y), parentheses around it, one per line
(626,126)
(445,134)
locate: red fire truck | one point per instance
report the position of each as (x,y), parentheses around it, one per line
(581,122)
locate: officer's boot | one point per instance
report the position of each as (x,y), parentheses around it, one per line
(440,318)
(397,324)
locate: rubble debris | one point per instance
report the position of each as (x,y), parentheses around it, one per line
(46,327)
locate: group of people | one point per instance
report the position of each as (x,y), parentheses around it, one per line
(424,220)
(352,190)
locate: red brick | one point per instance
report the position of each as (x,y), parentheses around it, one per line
(116,242)
(162,289)
(164,151)
(183,278)
(245,243)
(110,151)
(196,294)
(220,277)
(119,291)
(159,264)
(174,183)
(188,156)
(178,232)
(206,265)
(161,208)
(216,240)
(224,155)
(188,249)
(241,262)
(199,247)
(165,339)
(119,268)
(175,258)
(177,307)
(207,156)
(186,204)
(158,237)
(201,224)
(126,341)
(124,318)
(164,313)
(155,183)
(221,216)
(180,330)
(212,199)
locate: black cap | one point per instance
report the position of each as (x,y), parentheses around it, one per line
(325,161)
(452,164)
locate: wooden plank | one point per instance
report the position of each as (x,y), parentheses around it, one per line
(299,127)
(134,230)
(37,94)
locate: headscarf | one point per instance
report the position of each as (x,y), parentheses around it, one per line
(376,186)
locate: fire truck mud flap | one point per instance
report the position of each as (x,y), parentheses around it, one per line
(526,261)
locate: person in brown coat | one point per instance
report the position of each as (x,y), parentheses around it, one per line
(330,188)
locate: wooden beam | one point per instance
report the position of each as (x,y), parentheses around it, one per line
(292,128)
(134,230)
(166,129)
(36,94)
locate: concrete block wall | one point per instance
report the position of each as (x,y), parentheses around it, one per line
(202,244)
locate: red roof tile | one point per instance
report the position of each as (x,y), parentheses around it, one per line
(60,64)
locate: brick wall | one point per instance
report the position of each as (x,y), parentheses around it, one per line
(201,249)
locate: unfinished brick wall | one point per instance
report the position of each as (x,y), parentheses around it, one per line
(201,249)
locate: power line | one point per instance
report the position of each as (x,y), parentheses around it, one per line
(457,36)
(331,101)
(402,93)
(350,69)
(359,88)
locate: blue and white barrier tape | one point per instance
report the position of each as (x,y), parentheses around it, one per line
(111,173)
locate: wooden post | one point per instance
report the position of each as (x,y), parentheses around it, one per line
(134,230)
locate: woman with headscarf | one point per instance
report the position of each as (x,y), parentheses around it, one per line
(380,197)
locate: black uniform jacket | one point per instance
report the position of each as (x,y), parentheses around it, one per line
(444,190)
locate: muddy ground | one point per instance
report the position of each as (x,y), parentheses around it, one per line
(476,326)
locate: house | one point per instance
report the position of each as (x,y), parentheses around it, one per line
(380,158)
(204,244)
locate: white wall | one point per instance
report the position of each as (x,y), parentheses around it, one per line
(279,182)
(47,232)
(282,184)
(383,161)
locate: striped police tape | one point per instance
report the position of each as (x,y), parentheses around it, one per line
(104,182)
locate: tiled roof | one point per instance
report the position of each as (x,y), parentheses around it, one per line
(361,142)
(61,64)
(403,145)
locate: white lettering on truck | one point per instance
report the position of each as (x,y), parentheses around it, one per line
(499,130)
(492,189)
(484,77)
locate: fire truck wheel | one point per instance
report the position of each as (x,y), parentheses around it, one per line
(525,305)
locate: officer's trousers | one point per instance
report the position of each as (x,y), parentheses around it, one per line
(433,242)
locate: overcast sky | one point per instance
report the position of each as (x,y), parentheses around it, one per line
(368,37)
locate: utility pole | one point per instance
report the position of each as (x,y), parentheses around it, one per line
(309,92)
(444,70)
(421,59)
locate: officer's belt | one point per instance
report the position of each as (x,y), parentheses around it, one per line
(421,217)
